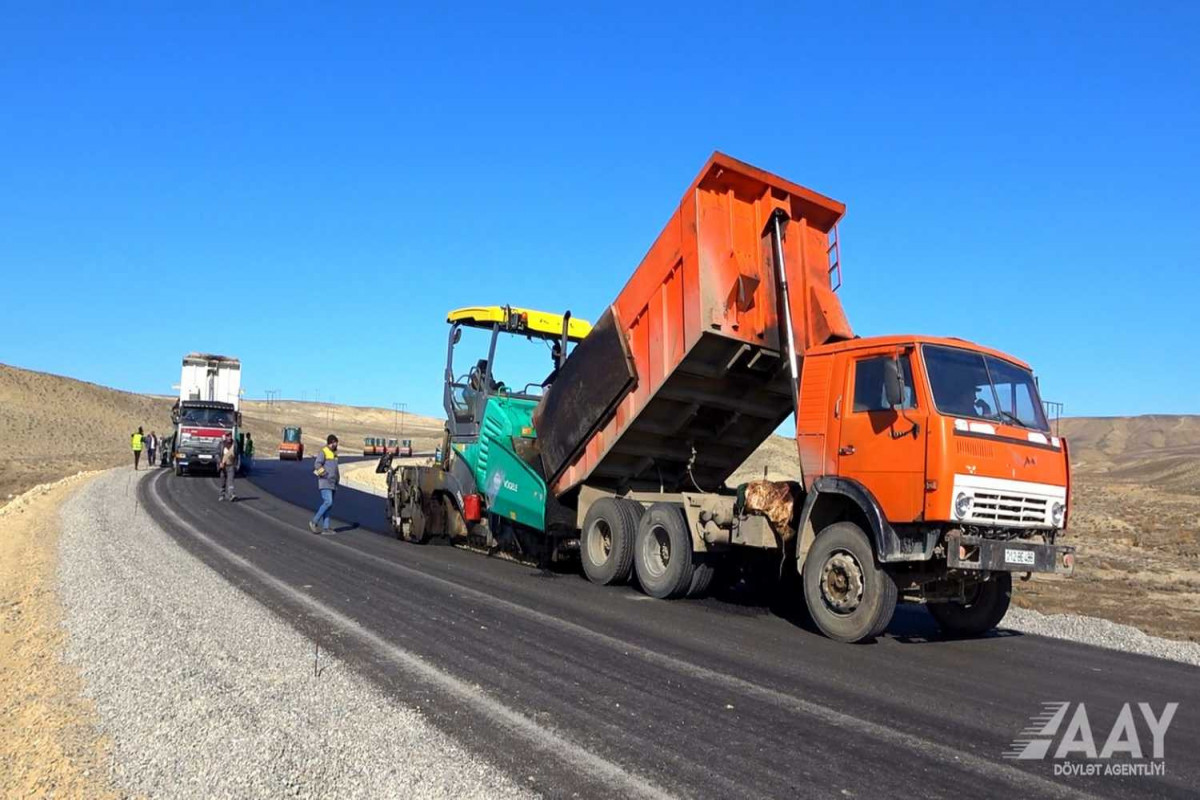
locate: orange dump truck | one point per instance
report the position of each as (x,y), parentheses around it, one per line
(927,470)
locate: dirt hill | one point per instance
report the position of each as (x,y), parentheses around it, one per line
(1156,449)
(55,426)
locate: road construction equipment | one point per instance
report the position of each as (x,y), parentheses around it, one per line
(208,407)
(927,470)
(291,446)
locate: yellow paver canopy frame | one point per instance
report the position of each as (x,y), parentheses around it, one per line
(539,324)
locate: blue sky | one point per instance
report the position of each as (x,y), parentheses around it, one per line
(311,189)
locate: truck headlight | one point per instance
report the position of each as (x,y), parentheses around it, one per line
(1057,512)
(962,504)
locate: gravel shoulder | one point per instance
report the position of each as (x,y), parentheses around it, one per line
(50,744)
(205,693)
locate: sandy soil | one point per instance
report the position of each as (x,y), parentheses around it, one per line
(362,476)
(49,745)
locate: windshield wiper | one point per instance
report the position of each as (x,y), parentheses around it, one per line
(1011,416)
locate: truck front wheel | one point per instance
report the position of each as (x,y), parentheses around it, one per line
(607,540)
(987,603)
(849,597)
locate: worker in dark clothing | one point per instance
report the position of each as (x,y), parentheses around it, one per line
(247,453)
(227,457)
(326,469)
(136,443)
(151,444)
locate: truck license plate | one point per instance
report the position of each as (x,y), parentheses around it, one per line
(1018,556)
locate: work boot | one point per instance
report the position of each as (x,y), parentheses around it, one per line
(220,498)
(312,526)
(232,497)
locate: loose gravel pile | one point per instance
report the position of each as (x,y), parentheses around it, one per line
(1101,633)
(207,694)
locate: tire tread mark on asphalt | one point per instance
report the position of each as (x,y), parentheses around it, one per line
(915,744)
(612,774)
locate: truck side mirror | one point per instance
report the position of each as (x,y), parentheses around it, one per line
(893,382)
(457,335)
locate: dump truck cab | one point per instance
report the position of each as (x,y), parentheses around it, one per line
(936,430)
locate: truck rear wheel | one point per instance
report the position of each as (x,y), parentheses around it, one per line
(984,609)
(703,572)
(607,540)
(662,552)
(849,597)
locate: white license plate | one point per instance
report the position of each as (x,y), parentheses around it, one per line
(1018,556)
(209,458)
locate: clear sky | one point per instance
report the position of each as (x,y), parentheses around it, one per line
(311,189)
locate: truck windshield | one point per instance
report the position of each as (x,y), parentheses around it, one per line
(218,417)
(291,435)
(970,384)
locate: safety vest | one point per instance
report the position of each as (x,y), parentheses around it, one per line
(329,454)
(137,443)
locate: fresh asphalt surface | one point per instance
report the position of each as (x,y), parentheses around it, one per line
(580,690)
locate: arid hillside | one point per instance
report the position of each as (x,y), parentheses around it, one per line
(1156,449)
(55,426)
(350,423)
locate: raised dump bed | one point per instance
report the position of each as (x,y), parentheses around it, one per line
(687,371)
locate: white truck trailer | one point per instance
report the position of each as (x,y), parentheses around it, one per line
(209,406)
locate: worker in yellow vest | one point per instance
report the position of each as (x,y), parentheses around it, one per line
(137,443)
(325,467)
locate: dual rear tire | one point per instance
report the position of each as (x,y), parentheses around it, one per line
(607,540)
(621,537)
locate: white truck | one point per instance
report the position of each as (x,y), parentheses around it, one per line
(209,406)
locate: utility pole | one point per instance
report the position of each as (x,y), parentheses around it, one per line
(398,410)
(271,395)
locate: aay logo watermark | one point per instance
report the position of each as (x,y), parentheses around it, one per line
(1063,732)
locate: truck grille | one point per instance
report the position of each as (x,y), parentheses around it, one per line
(1007,508)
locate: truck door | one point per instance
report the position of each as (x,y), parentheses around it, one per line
(883,448)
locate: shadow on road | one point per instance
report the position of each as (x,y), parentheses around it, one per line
(754,587)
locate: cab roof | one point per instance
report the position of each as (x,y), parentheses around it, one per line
(526,321)
(901,340)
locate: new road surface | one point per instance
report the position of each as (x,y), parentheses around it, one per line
(579,690)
